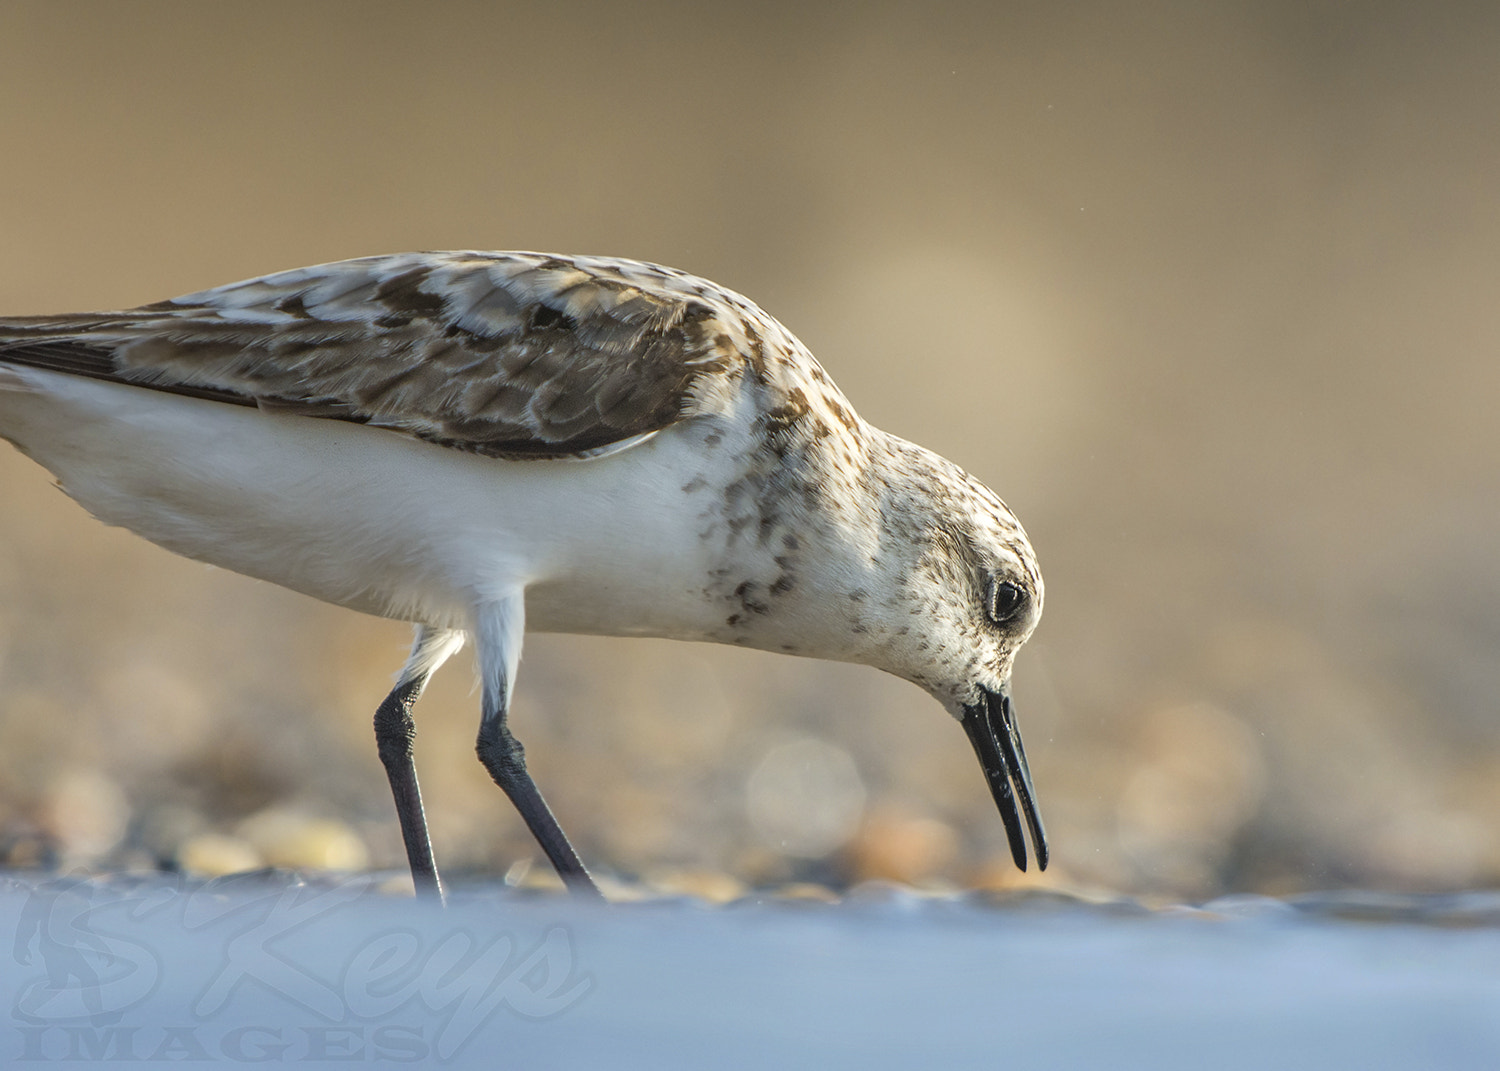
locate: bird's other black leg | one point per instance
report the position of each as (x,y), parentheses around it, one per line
(505,759)
(395,733)
(498,631)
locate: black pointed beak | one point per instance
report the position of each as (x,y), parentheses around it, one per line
(991,725)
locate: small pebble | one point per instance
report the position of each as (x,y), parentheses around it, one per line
(215,854)
(296,840)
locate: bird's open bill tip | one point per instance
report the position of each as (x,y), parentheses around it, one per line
(991,726)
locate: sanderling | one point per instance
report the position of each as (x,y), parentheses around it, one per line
(484,442)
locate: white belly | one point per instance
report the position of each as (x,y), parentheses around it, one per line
(378,522)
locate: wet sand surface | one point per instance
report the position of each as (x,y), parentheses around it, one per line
(275,968)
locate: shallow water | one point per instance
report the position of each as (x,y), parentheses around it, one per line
(274,969)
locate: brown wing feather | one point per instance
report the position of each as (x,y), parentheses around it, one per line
(504,354)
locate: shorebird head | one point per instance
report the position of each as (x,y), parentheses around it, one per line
(967,594)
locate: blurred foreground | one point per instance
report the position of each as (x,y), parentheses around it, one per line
(271,969)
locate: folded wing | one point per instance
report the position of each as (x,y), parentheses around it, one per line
(504,354)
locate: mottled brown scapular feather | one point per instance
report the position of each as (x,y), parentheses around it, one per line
(478,352)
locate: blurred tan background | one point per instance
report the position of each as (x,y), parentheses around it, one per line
(1206,292)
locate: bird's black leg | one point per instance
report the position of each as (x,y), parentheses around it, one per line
(499,626)
(395,733)
(505,759)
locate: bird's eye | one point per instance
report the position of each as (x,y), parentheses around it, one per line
(1006,600)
